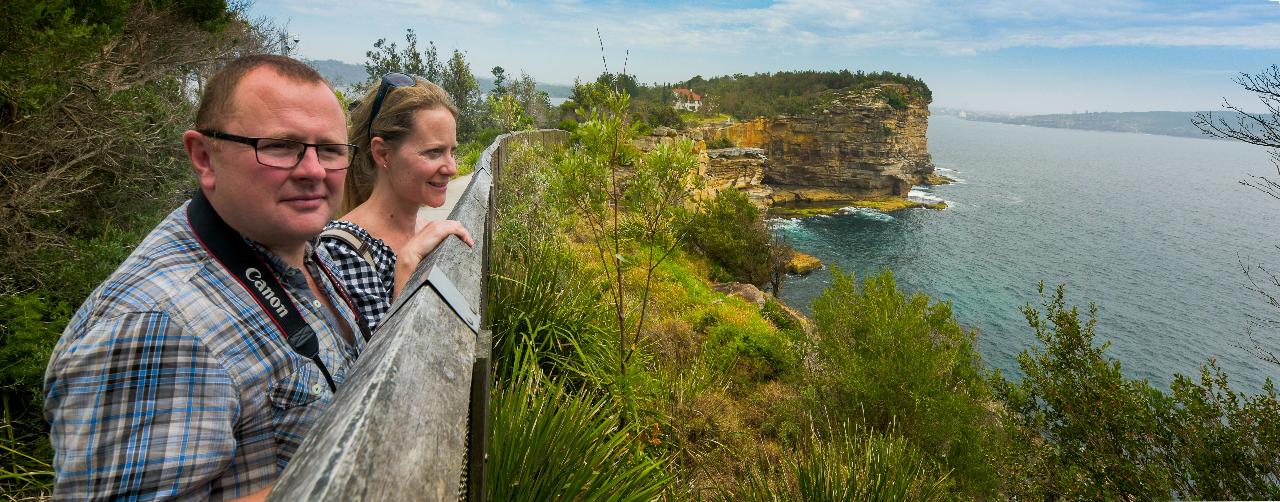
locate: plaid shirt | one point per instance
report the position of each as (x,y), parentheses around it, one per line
(170,381)
(369,286)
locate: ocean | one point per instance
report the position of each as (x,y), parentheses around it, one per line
(1154,230)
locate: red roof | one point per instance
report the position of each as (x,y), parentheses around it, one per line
(686,93)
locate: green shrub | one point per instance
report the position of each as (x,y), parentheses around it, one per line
(861,465)
(468,156)
(30,325)
(568,125)
(891,359)
(775,314)
(893,99)
(1106,436)
(730,232)
(660,114)
(755,351)
(721,142)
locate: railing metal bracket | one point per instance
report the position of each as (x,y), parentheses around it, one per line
(452,297)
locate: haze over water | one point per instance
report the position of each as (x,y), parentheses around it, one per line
(1150,228)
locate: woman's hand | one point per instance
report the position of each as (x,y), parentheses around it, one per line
(423,243)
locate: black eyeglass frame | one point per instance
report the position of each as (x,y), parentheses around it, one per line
(389,81)
(253,142)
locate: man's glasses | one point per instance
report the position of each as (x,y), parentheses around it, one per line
(287,153)
(389,81)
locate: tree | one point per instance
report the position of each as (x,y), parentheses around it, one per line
(453,75)
(1261,129)
(499,81)
(535,103)
(385,58)
(456,78)
(633,207)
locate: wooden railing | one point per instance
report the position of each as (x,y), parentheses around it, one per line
(403,423)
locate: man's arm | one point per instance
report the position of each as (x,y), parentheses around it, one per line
(138,408)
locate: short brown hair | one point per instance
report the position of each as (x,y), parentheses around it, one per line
(215,102)
(393,123)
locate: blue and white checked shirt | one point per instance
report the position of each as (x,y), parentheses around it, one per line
(170,381)
(369,285)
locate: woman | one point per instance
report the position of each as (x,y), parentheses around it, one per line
(406,131)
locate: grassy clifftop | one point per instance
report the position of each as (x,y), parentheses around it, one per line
(663,387)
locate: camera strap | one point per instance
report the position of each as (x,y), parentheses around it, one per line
(249,269)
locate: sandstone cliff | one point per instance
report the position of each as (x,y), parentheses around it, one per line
(857,146)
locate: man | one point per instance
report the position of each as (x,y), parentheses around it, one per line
(199,366)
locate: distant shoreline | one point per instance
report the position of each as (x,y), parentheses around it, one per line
(1177,124)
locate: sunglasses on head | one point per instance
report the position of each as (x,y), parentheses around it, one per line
(389,81)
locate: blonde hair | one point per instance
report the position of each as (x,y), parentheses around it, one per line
(393,123)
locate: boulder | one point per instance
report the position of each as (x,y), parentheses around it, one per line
(747,292)
(802,264)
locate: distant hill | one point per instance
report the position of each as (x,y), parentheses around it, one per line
(1163,123)
(338,73)
(344,75)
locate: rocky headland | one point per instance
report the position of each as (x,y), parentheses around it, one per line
(863,147)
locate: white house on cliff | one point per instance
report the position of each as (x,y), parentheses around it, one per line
(686,99)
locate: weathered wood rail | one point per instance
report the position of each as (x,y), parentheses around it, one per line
(398,427)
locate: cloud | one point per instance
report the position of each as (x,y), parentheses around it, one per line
(451,11)
(915,25)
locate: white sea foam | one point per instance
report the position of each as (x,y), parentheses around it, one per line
(785,224)
(950,173)
(923,195)
(867,213)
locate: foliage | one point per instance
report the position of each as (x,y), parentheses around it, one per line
(539,294)
(754,351)
(1224,443)
(729,230)
(855,465)
(452,74)
(32,325)
(549,444)
(893,99)
(1105,436)
(721,142)
(518,104)
(92,95)
(893,361)
(659,114)
(508,113)
(89,131)
(26,472)
(789,93)
(386,57)
(633,206)
(468,153)
(30,329)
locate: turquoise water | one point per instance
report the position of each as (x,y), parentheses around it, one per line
(1153,229)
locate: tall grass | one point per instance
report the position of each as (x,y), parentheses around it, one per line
(22,475)
(546,443)
(857,465)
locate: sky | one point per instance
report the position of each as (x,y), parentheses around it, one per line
(1010,56)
